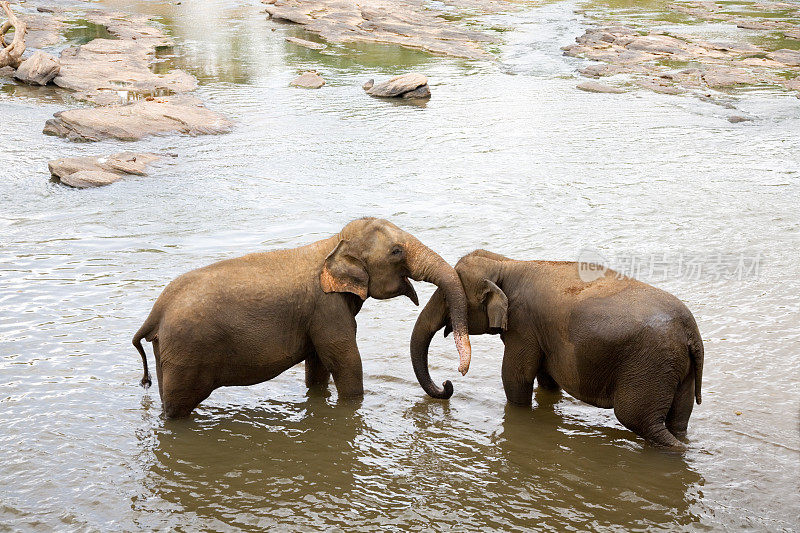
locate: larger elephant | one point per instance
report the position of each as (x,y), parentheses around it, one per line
(246,320)
(612,341)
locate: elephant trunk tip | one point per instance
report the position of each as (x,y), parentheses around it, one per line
(146,381)
(464,352)
(448,390)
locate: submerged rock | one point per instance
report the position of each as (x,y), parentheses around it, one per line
(39,69)
(151,116)
(597,87)
(735,119)
(307,44)
(308,80)
(411,85)
(96,171)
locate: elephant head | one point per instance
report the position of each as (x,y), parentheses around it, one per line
(375,258)
(487,309)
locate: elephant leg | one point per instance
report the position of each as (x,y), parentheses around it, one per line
(316,373)
(335,344)
(546,381)
(159,376)
(678,416)
(183,390)
(519,371)
(642,407)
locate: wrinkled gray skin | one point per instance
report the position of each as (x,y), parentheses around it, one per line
(613,342)
(246,320)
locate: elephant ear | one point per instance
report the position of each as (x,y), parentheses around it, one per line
(344,272)
(496,305)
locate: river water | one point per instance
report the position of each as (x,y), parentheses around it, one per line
(507,156)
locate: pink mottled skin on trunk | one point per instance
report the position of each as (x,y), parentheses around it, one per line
(464,351)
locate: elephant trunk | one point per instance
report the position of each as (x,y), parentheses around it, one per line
(426,265)
(431,319)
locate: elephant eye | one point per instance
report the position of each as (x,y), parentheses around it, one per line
(397,251)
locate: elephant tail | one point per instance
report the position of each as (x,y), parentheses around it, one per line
(696,354)
(145,332)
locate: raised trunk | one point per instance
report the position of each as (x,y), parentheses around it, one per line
(426,265)
(431,319)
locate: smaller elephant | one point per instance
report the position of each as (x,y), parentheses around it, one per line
(613,342)
(245,320)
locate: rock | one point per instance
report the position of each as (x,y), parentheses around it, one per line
(95,171)
(730,46)
(793,84)
(599,70)
(735,119)
(761,24)
(785,56)
(129,27)
(84,179)
(597,87)
(659,85)
(307,44)
(308,80)
(44,30)
(151,116)
(39,69)
(414,83)
(103,68)
(792,34)
(413,24)
(420,93)
(623,50)
(718,77)
(7,72)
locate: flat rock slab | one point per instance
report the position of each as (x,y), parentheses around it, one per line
(308,80)
(412,24)
(597,87)
(96,171)
(151,116)
(39,69)
(787,57)
(108,71)
(103,68)
(411,85)
(43,30)
(307,44)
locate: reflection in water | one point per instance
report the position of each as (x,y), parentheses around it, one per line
(255,466)
(590,477)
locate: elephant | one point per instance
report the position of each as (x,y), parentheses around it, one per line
(612,341)
(245,320)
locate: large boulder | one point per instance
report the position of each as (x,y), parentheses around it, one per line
(39,69)
(411,85)
(150,116)
(96,171)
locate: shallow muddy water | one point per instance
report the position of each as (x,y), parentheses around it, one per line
(507,156)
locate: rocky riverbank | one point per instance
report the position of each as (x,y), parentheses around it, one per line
(675,61)
(113,73)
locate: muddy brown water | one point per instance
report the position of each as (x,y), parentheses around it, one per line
(506,156)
